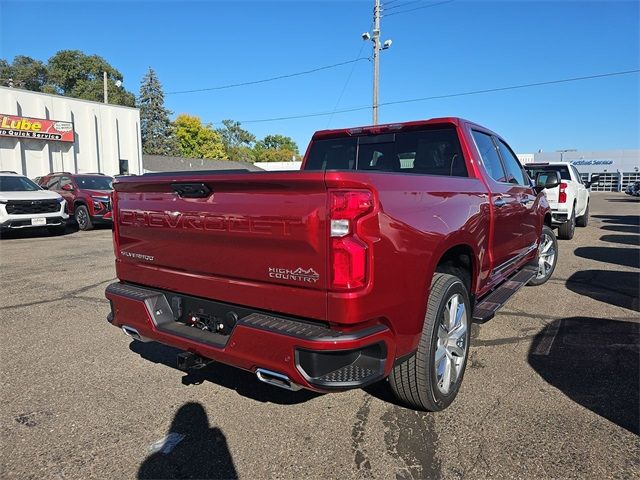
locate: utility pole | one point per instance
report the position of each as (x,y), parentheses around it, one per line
(106,92)
(376,58)
(375,38)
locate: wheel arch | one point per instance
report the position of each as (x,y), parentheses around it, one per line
(81,202)
(460,256)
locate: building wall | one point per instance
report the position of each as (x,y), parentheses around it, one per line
(104,135)
(595,161)
(525,158)
(616,168)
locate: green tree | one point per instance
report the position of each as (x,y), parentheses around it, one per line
(198,140)
(275,148)
(278,142)
(24,72)
(238,142)
(274,155)
(156,130)
(74,74)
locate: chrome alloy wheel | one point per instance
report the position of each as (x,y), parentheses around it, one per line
(546,256)
(451,348)
(81,218)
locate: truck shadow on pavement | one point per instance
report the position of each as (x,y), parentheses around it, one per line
(596,363)
(626,257)
(244,383)
(619,219)
(622,239)
(191,449)
(621,228)
(626,199)
(613,287)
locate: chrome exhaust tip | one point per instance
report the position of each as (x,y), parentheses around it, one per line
(276,379)
(133,333)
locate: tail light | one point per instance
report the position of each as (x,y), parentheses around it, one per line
(349,256)
(562,197)
(114,224)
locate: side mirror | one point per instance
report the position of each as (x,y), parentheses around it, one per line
(546,180)
(595,179)
(44,187)
(68,187)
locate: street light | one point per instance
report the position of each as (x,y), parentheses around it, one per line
(562,152)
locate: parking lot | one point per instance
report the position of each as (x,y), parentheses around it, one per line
(551,389)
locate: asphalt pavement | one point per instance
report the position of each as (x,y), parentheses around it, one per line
(551,389)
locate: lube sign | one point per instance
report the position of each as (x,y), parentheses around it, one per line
(36,128)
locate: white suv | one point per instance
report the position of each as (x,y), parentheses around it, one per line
(570,200)
(23,204)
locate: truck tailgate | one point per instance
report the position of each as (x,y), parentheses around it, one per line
(552,195)
(266,228)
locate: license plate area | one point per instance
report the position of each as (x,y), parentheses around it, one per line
(39,221)
(195,318)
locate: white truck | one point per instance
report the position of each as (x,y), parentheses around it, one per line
(570,200)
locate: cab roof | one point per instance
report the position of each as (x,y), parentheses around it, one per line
(396,127)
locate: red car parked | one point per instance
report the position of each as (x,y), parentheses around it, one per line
(88,196)
(371,262)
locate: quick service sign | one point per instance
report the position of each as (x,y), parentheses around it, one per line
(36,128)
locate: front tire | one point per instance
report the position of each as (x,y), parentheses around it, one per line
(83,219)
(431,377)
(583,220)
(547,257)
(568,228)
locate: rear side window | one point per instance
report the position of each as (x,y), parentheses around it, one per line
(515,174)
(489,156)
(577,174)
(533,170)
(426,152)
(333,154)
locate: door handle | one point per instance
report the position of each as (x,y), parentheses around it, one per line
(500,202)
(525,201)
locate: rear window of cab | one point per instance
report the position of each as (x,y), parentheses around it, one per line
(426,152)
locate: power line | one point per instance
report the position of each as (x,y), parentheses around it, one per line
(384,6)
(419,8)
(271,79)
(450,95)
(344,87)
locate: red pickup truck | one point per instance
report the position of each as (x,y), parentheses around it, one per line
(371,262)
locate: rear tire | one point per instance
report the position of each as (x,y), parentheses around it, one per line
(83,219)
(431,377)
(547,257)
(583,220)
(568,228)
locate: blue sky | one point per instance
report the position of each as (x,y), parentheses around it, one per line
(449,48)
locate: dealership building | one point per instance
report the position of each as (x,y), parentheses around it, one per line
(42,133)
(615,168)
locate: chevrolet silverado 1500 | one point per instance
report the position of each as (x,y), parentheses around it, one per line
(370,263)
